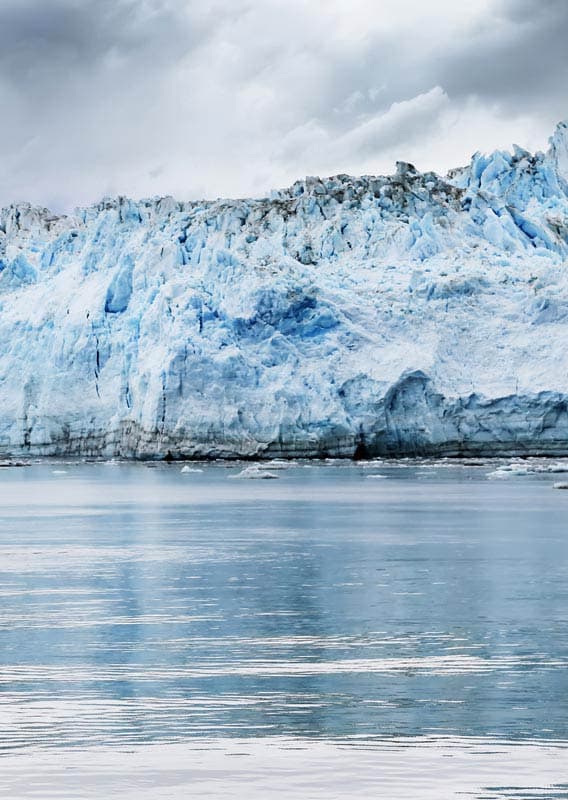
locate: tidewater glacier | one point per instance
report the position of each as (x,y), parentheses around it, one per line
(401,315)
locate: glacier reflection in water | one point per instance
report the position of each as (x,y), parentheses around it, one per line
(382,631)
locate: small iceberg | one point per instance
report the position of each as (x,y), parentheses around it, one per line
(562,485)
(516,468)
(187,469)
(375,477)
(498,474)
(255,473)
(59,472)
(511,470)
(521,471)
(553,468)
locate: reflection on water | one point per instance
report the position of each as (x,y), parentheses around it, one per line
(413,769)
(148,608)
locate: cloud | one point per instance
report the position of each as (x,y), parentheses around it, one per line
(235,97)
(518,56)
(44,45)
(406,121)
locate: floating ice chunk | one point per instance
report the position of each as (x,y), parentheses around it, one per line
(187,469)
(521,471)
(375,477)
(255,473)
(498,474)
(59,472)
(516,469)
(552,468)
(562,485)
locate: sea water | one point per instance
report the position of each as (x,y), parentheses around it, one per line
(386,629)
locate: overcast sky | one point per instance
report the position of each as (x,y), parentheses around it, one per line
(207,98)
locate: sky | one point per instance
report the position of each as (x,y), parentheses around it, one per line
(233,98)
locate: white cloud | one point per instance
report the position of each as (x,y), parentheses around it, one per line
(235,97)
(357,149)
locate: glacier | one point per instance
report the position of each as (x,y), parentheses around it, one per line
(400,315)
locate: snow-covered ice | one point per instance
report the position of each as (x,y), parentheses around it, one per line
(399,315)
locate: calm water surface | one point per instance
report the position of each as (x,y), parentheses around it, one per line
(330,633)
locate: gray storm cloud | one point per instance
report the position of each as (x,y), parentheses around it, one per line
(519,56)
(235,97)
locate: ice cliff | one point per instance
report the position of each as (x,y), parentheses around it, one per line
(409,314)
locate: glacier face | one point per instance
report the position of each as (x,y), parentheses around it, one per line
(346,316)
